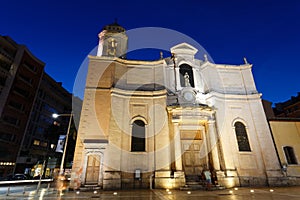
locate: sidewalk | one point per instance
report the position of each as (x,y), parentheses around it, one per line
(277,193)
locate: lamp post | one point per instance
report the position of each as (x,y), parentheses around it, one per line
(55,115)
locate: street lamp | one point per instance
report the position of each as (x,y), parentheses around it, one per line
(55,115)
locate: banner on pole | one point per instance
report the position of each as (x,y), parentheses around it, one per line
(60,144)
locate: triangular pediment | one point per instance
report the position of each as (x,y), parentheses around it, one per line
(184,48)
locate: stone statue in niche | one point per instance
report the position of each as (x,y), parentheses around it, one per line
(187,80)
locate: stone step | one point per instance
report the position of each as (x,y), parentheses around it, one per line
(220,187)
(192,187)
(195,182)
(89,187)
(201,187)
(192,178)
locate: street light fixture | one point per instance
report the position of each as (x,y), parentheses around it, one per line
(55,115)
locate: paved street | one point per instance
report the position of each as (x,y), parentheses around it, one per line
(17,189)
(290,193)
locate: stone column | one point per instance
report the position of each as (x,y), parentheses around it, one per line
(206,146)
(177,148)
(213,146)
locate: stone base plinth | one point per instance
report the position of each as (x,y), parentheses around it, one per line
(164,180)
(112,180)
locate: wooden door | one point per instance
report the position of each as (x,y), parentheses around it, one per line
(192,163)
(92,169)
(192,148)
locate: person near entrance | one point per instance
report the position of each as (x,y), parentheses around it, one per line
(207,175)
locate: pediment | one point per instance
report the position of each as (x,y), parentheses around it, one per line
(184,48)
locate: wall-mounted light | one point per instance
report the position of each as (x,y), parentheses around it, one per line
(284,168)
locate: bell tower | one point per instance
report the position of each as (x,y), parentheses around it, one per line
(112,41)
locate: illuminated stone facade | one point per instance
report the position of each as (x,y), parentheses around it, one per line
(161,123)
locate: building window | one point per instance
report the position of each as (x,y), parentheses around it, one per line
(44,144)
(3,80)
(11,120)
(16,105)
(25,79)
(30,67)
(290,155)
(4,65)
(21,92)
(7,137)
(241,136)
(36,142)
(138,136)
(186,76)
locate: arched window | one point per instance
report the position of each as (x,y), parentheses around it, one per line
(138,136)
(241,136)
(186,76)
(290,155)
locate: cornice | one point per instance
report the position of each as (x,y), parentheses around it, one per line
(127,62)
(131,93)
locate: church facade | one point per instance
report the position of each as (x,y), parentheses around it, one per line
(160,124)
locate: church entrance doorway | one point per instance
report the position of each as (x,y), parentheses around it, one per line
(192,164)
(191,144)
(92,170)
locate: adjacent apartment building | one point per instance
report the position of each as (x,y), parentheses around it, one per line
(28,98)
(21,74)
(43,130)
(284,122)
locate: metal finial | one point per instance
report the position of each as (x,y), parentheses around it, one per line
(161,55)
(205,58)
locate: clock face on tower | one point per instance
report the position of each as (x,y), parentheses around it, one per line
(189,96)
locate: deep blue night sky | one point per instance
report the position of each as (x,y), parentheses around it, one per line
(267,32)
